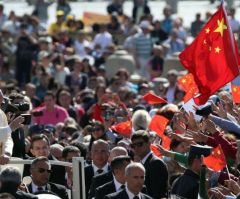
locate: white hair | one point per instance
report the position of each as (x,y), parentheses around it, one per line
(140,120)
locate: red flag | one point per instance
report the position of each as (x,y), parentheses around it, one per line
(216,161)
(151,98)
(96,115)
(156,151)
(212,58)
(158,124)
(236,93)
(166,141)
(189,86)
(123,128)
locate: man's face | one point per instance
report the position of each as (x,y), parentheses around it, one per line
(70,155)
(135,180)
(49,101)
(40,148)
(140,147)
(120,173)
(40,173)
(100,155)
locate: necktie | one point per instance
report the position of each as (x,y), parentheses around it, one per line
(40,189)
(122,186)
(135,197)
(99,171)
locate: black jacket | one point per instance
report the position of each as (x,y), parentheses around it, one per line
(17,193)
(123,195)
(89,174)
(109,188)
(57,175)
(105,189)
(187,185)
(57,189)
(98,181)
(156,179)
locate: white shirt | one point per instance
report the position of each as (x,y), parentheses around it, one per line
(95,169)
(131,195)
(104,39)
(80,47)
(117,184)
(35,188)
(146,157)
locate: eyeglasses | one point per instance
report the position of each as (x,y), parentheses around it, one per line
(42,170)
(138,144)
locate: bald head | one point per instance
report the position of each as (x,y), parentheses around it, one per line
(117,151)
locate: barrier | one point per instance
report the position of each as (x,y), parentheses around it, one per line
(78,189)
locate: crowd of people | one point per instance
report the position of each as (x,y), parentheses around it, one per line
(71,90)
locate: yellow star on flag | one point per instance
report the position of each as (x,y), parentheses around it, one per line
(221,27)
(217,50)
(207,30)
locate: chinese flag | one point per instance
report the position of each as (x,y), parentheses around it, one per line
(236,93)
(189,86)
(155,150)
(123,128)
(216,161)
(212,58)
(158,124)
(166,141)
(151,98)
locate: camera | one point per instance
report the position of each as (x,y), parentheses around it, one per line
(17,109)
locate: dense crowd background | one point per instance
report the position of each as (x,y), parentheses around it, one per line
(84,88)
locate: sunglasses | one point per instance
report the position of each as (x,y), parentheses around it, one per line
(41,170)
(138,144)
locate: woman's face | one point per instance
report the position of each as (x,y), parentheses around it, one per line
(97,132)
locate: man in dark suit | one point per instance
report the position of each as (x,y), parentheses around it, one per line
(99,154)
(10,179)
(135,174)
(156,171)
(187,185)
(40,146)
(102,179)
(118,166)
(40,173)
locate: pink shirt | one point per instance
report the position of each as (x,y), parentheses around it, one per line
(58,115)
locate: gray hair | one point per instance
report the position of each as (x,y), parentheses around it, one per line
(102,142)
(140,120)
(39,159)
(134,165)
(11,175)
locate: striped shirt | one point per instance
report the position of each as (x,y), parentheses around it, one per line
(143,45)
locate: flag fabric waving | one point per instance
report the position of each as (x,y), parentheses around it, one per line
(151,98)
(212,58)
(189,86)
(158,124)
(236,93)
(123,128)
(216,161)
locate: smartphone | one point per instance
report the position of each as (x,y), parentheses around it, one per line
(27,119)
